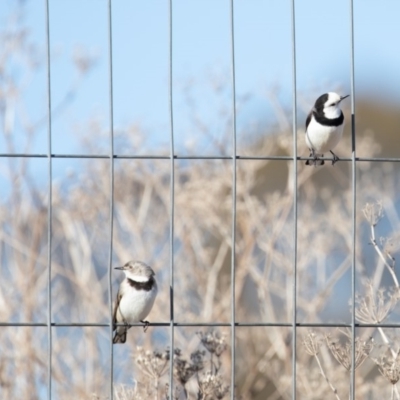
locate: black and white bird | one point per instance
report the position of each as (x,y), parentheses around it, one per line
(135,298)
(324,127)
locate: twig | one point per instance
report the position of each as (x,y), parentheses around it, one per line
(381,255)
(386,340)
(334,390)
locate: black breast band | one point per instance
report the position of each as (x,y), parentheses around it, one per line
(327,121)
(146,286)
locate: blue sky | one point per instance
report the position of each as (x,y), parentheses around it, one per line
(201,63)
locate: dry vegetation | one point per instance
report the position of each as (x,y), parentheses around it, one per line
(202,260)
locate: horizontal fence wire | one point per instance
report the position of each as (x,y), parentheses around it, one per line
(211,324)
(196,157)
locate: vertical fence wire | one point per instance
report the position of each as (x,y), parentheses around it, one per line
(294,125)
(111,204)
(354,198)
(234,180)
(172,200)
(49,205)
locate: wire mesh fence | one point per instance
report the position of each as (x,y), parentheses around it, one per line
(273,281)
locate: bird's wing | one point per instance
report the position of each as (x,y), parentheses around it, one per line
(119,297)
(308,120)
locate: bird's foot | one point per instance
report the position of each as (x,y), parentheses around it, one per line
(146,325)
(315,160)
(335,158)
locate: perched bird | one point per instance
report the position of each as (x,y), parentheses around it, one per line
(324,127)
(135,298)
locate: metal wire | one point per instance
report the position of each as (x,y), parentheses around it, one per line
(194,157)
(111,205)
(294,113)
(207,324)
(234,180)
(354,197)
(49,206)
(172,205)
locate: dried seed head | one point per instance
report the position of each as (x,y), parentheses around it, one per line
(211,386)
(214,342)
(184,370)
(343,353)
(153,363)
(83,60)
(373,212)
(312,343)
(375,306)
(389,367)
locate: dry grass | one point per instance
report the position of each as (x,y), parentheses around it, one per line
(202,253)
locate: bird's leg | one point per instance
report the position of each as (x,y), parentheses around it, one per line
(335,157)
(146,325)
(315,158)
(312,154)
(125,323)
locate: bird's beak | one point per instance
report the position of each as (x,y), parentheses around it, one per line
(343,97)
(119,268)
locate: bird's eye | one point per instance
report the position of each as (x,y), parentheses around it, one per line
(334,104)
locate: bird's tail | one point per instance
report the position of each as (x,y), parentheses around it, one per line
(119,337)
